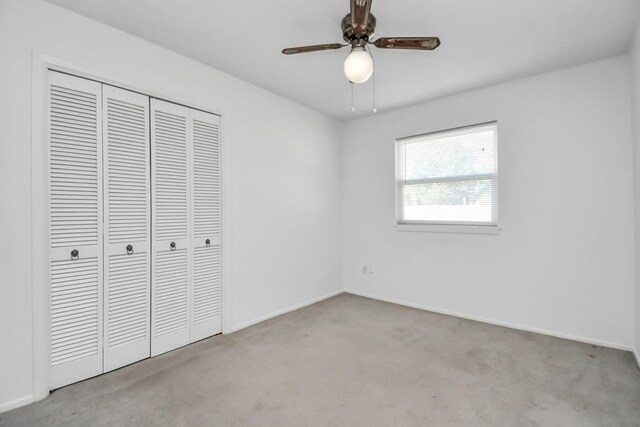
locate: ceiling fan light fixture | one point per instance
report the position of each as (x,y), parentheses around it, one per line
(358,66)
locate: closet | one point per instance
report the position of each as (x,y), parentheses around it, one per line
(135,227)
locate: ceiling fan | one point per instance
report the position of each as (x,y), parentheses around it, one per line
(357,30)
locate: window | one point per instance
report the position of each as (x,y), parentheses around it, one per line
(449,177)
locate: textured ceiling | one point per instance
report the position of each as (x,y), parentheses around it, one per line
(483,42)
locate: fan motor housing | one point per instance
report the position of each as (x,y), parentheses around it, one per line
(348,33)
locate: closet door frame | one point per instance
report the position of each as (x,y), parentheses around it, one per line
(40,204)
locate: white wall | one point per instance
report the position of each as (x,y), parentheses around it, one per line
(634,55)
(282,173)
(563,263)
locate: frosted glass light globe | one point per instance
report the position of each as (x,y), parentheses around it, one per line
(358,66)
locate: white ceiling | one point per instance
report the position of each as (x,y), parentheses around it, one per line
(483,42)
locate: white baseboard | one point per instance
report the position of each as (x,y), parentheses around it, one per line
(283,311)
(495,322)
(13,404)
(637,356)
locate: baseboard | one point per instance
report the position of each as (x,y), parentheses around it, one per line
(283,311)
(7,406)
(637,356)
(495,322)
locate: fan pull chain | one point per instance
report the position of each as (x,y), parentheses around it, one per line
(352,107)
(375,110)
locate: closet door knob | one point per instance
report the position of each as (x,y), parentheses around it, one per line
(207,242)
(75,254)
(129,249)
(173,246)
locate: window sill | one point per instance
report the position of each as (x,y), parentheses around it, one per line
(460,229)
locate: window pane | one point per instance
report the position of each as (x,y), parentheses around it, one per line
(465,201)
(465,151)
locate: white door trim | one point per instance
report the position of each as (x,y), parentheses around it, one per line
(41,64)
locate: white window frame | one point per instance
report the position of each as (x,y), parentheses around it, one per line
(472,227)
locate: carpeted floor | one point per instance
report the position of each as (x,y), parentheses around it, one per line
(352,361)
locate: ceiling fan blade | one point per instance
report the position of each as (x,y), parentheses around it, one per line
(314,48)
(418,43)
(360,15)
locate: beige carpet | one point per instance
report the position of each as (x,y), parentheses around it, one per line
(352,361)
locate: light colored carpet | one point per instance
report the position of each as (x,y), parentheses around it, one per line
(352,361)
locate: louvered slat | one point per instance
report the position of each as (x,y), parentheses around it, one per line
(171,292)
(127,222)
(206,284)
(128,299)
(74,283)
(206,179)
(75,172)
(127,144)
(206,319)
(74,140)
(170,177)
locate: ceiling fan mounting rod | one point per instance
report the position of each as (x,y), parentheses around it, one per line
(349,34)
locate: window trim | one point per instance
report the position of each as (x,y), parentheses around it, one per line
(449,228)
(474,227)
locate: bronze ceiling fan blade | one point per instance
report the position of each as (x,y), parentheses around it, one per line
(418,43)
(313,48)
(360,16)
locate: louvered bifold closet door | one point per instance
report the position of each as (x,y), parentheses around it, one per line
(170,171)
(75,174)
(206,319)
(127,227)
